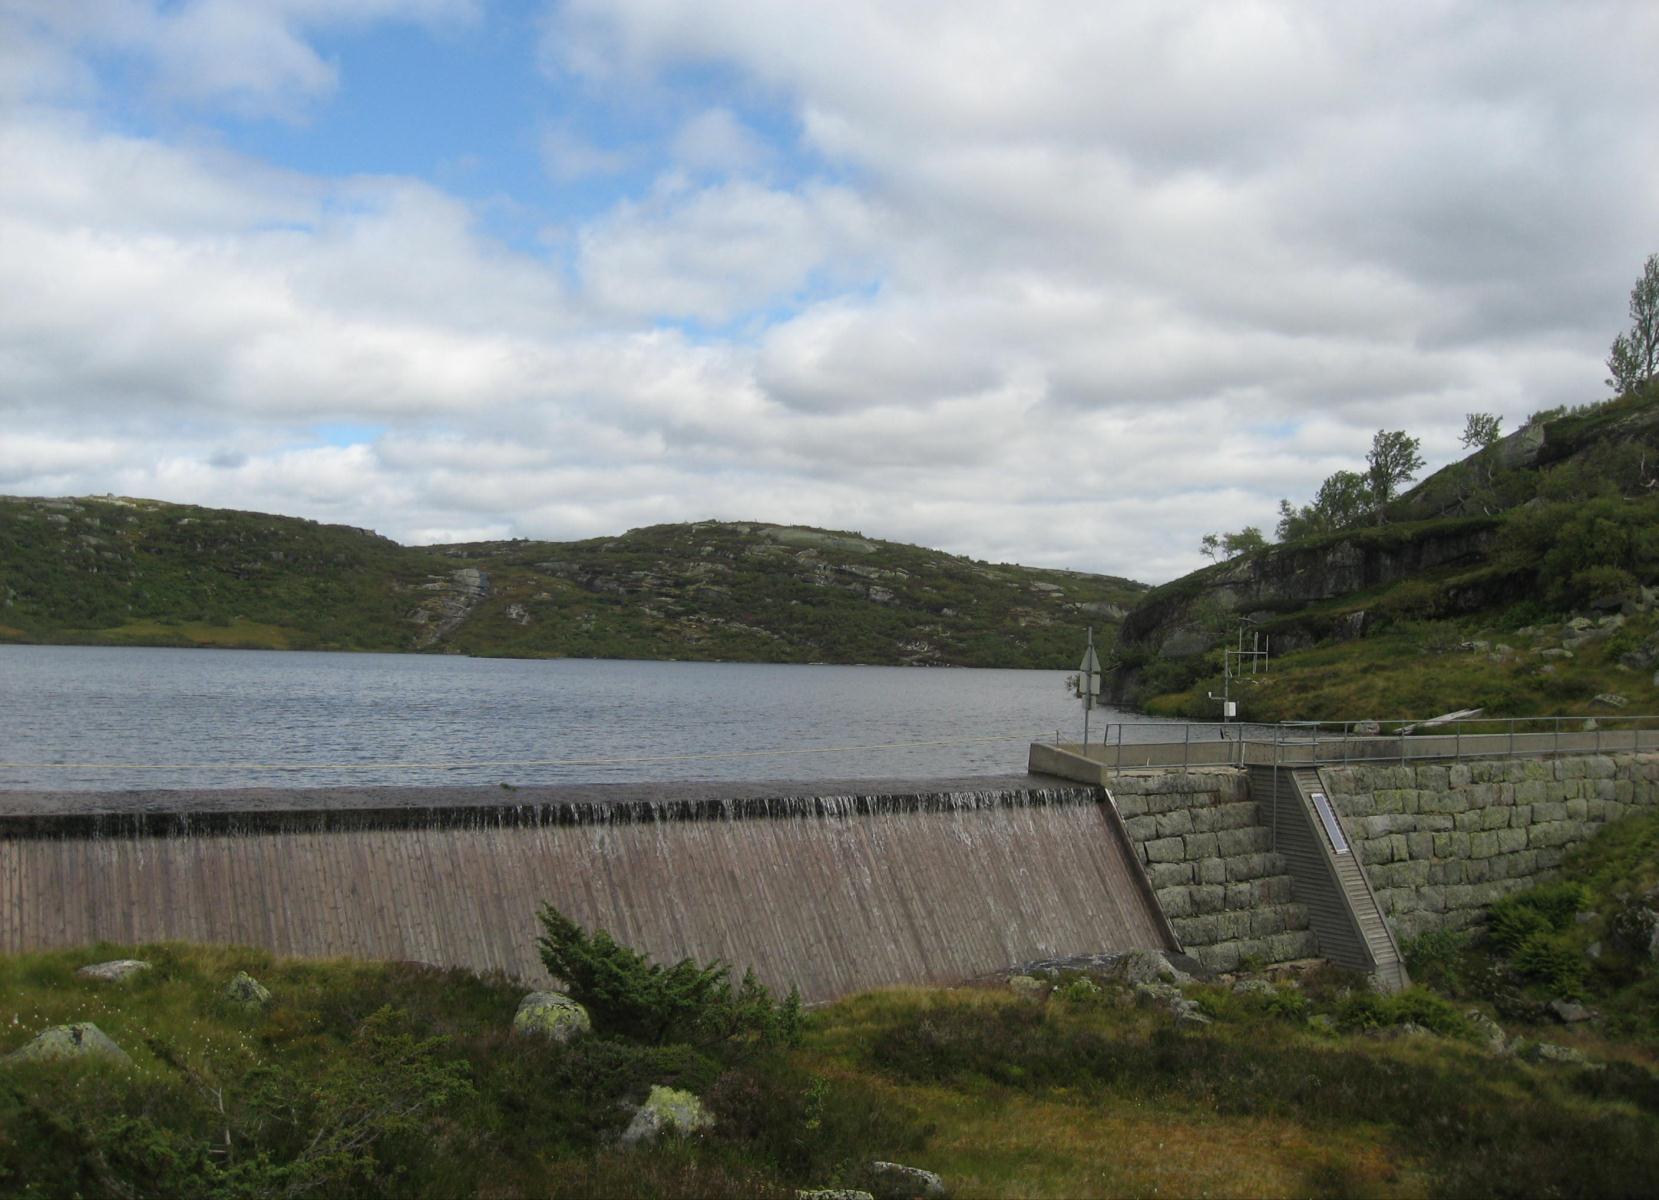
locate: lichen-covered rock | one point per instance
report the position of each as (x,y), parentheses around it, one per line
(1487,1031)
(666,1110)
(1254,987)
(1568,1012)
(895,1181)
(83,1040)
(551,1015)
(1147,966)
(1542,1052)
(114,971)
(832,1194)
(1025,983)
(247,991)
(1636,931)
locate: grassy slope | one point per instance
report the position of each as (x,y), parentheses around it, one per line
(1571,529)
(1073,1093)
(147,573)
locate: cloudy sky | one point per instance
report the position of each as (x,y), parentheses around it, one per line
(1064,284)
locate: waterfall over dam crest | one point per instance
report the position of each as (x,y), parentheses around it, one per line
(829,887)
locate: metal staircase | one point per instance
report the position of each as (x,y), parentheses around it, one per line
(1326,877)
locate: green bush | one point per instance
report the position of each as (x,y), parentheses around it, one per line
(626,993)
(1508,924)
(1414,1006)
(1550,960)
(1435,958)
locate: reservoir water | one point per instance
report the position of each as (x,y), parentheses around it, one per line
(81,717)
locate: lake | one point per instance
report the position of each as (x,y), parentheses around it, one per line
(86,717)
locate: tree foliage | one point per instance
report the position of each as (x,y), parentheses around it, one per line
(626,993)
(1392,460)
(1480,430)
(1343,500)
(1634,357)
(1231,545)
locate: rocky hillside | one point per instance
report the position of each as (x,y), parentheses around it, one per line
(1466,594)
(142,572)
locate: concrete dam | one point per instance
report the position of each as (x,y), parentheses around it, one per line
(1239,854)
(830,889)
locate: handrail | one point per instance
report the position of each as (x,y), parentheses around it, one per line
(1311,743)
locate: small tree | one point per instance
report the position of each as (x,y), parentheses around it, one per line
(1480,430)
(627,993)
(1243,542)
(1343,500)
(1634,358)
(1217,546)
(1393,460)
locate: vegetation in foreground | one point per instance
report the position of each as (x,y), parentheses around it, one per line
(115,571)
(365,1079)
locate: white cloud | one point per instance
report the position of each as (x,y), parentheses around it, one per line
(567,156)
(1076,285)
(716,141)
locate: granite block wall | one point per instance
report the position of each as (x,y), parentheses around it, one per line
(1441,841)
(1209,858)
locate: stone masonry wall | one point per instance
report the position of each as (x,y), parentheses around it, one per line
(1209,857)
(1440,842)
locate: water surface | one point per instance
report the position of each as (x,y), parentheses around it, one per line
(82,717)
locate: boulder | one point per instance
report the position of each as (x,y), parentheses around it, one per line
(666,1111)
(1147,966)
(895,1181)
(1255,987)
(247,991)
(1026,983)
(1543,1052)
(1487,1031)
(1636,931)
(114,971)
(832,1194)
(551,1015)
(1366,728)
(83,1041)
(1568,1012)
(1611,699)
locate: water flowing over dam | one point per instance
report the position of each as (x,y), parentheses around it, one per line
(831,888)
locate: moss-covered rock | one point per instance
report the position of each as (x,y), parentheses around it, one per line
(247,991)
(80,1041)
(666,1110)
(551,1015)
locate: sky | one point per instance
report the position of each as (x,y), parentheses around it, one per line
(1054,283)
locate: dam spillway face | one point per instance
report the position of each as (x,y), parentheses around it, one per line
(831,889)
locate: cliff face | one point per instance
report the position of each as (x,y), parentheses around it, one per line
(1182,617)
(1440,553)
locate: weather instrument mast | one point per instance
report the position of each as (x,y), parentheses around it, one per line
(1232,667)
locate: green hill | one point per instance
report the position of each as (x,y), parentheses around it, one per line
(142,572)
(1520,580)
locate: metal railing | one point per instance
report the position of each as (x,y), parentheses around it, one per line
(1129,744)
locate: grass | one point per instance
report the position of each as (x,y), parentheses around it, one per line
(1005,1095)
(387,1079)
(1420,668)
